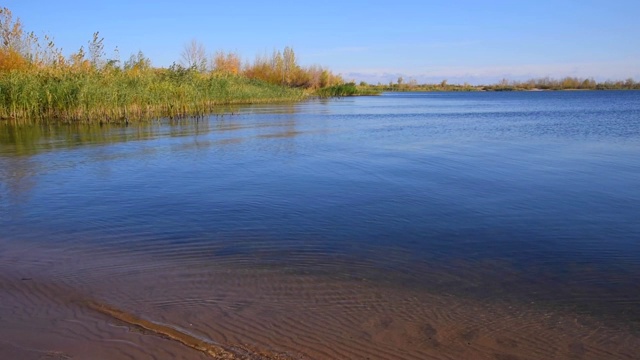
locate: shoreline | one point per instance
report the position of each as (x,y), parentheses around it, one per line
(285,316)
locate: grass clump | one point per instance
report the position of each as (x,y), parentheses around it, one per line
(348,89)
(124,95)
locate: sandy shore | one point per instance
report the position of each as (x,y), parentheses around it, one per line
(57,304)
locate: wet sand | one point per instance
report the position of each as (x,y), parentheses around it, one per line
(63,304)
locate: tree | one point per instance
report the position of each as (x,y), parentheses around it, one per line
(588,84)
(628,84)
(289,65)
(15,44)
(11,33)
(228,63)
(325,78)
(315,74)
(194,55)
(277,66)
(11,60)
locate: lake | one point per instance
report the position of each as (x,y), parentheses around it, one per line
(404,226)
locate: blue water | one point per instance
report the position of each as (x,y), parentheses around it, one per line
(533,196)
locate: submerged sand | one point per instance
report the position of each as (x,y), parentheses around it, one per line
(62,304)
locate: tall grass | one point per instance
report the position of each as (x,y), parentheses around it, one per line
(348,89)
(119,95)
(38,83)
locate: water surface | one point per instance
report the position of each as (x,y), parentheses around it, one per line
(529,199)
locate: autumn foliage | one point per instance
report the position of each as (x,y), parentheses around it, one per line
(12,60)
(283,68)
(38,82)
(227,63)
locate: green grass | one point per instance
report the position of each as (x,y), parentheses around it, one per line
(348,89)
(122,96)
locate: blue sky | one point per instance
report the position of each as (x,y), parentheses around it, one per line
(472,41)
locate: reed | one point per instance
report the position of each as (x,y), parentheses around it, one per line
(348,89)
(121,96)
(39,84)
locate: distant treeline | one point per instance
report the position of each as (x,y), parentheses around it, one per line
(567,83)
(37,82)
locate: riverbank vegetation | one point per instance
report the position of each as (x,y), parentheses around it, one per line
(567,83)
(412,85)
(137,91)
(347,89)
(38,82)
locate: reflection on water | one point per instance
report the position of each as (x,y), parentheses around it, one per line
(530,198)
(24,138)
